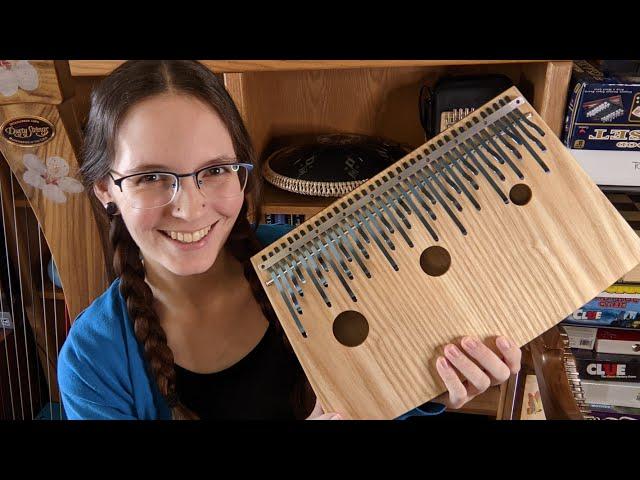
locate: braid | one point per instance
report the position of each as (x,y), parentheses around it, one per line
(139,299)
(243,244)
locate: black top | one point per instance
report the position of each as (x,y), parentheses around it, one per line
(258,387)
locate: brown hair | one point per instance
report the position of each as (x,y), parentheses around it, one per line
(127,85)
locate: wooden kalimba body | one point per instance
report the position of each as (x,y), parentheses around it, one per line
(489,228)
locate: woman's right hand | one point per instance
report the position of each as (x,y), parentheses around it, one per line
(318,414)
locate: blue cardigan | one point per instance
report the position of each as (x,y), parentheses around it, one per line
(101,367)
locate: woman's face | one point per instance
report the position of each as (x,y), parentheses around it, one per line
(180,134)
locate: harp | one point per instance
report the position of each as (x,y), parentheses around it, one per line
(489,228)
(44,215)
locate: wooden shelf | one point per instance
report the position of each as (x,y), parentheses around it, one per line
(277,200)
(104,67)
(484,404)
(21,203)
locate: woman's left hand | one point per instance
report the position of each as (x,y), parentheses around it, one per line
(469,371)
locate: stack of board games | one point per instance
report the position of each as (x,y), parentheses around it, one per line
(604,336)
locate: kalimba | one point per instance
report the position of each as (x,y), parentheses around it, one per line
(489,228)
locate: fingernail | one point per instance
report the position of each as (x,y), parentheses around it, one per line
(336,417)
(443,362)
(452,351)
(470,343)
(503,343)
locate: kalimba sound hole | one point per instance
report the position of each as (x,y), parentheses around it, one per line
(350,328)
(435,261)
(520,194)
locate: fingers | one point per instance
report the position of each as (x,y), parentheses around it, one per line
(489,361)
(317,411)
(318,414)
(469,370)
(327,416)
(457,391)
(510,352)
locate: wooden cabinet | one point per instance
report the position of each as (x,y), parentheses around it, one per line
(278,98)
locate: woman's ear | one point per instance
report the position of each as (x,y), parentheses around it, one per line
(101,189)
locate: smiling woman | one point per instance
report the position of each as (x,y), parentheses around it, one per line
(186,330)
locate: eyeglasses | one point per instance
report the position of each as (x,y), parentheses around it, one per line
(157,189)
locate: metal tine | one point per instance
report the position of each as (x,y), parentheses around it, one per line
(434,177)
(360,230)
(504,141)
(344,237)
(523,141)
(297,269)
(379,215)
(313,278)
(443,170)
(284,277)
(376,240)
(397,195)
(395,204)
(524,119)
(307,249)
(500,154)
(379,201)
(433,167)
(484,158)
(411,183)
(414,181)
(505,126)
(451,156)
(420,185)
(334,267)
(518,124)
(455,183)
(369,215)
(516,118)
(475,145)
(449,164)
(427,179)
(321,260)
(288,270)
(283,294)
(417,211)
(351,231)
(482,170)
(462,185)
(337,255)
(338,238)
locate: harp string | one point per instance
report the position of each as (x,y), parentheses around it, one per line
(13,315)
(24,320)
(4,329)
(44,319)
(35,312)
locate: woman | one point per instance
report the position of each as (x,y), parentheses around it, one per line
(186,330)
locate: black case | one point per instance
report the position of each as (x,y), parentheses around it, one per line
(451,93)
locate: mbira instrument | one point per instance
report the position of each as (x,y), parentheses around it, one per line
(490,228)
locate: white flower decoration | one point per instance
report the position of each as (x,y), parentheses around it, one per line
(51,179)
(14,75)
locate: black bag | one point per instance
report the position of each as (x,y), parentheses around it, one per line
(452,98)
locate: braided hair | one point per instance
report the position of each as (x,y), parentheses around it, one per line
(127,85)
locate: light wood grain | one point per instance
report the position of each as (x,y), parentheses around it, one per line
(104,67)
(48,90)
(518,272)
